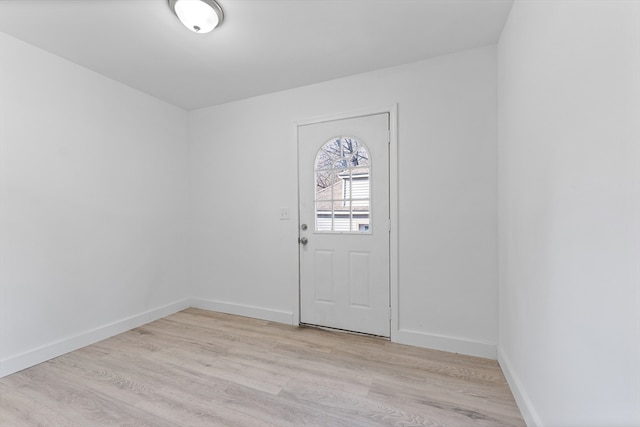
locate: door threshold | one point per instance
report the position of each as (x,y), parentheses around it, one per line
(345,331)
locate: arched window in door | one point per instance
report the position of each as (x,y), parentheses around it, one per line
(343,187)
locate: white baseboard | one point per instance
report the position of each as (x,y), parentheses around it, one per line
(527,410)
(244,310)
(49,351)
(445,343)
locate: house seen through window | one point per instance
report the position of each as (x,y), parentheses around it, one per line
(342,195)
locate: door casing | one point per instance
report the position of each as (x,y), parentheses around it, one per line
(393,202)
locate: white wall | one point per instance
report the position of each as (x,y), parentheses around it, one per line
(243,169)
(569,173)
(92,195)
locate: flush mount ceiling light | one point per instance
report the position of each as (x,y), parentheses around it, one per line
(200,16)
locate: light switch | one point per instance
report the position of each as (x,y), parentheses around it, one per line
(285,213)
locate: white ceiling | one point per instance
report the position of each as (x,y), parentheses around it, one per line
(262,46)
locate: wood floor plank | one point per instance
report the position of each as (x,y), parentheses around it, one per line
(458,407)
(355,410)
(322,373)
(200,368)
(282,410)
(19,409)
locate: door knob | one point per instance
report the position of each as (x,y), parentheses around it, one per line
(303,240)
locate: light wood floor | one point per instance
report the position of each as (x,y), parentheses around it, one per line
(199,368)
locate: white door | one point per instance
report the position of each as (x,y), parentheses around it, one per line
(343,168)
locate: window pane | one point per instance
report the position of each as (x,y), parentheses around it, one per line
(359,187)
(360,215)
(340,164)
(324,161)
(323,180)
(341,221)
(324,216)
(361,158)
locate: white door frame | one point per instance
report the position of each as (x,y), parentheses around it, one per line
(393,202)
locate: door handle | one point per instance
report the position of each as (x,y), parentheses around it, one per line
(303,240)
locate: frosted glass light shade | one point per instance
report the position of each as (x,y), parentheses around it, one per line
(199,16)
